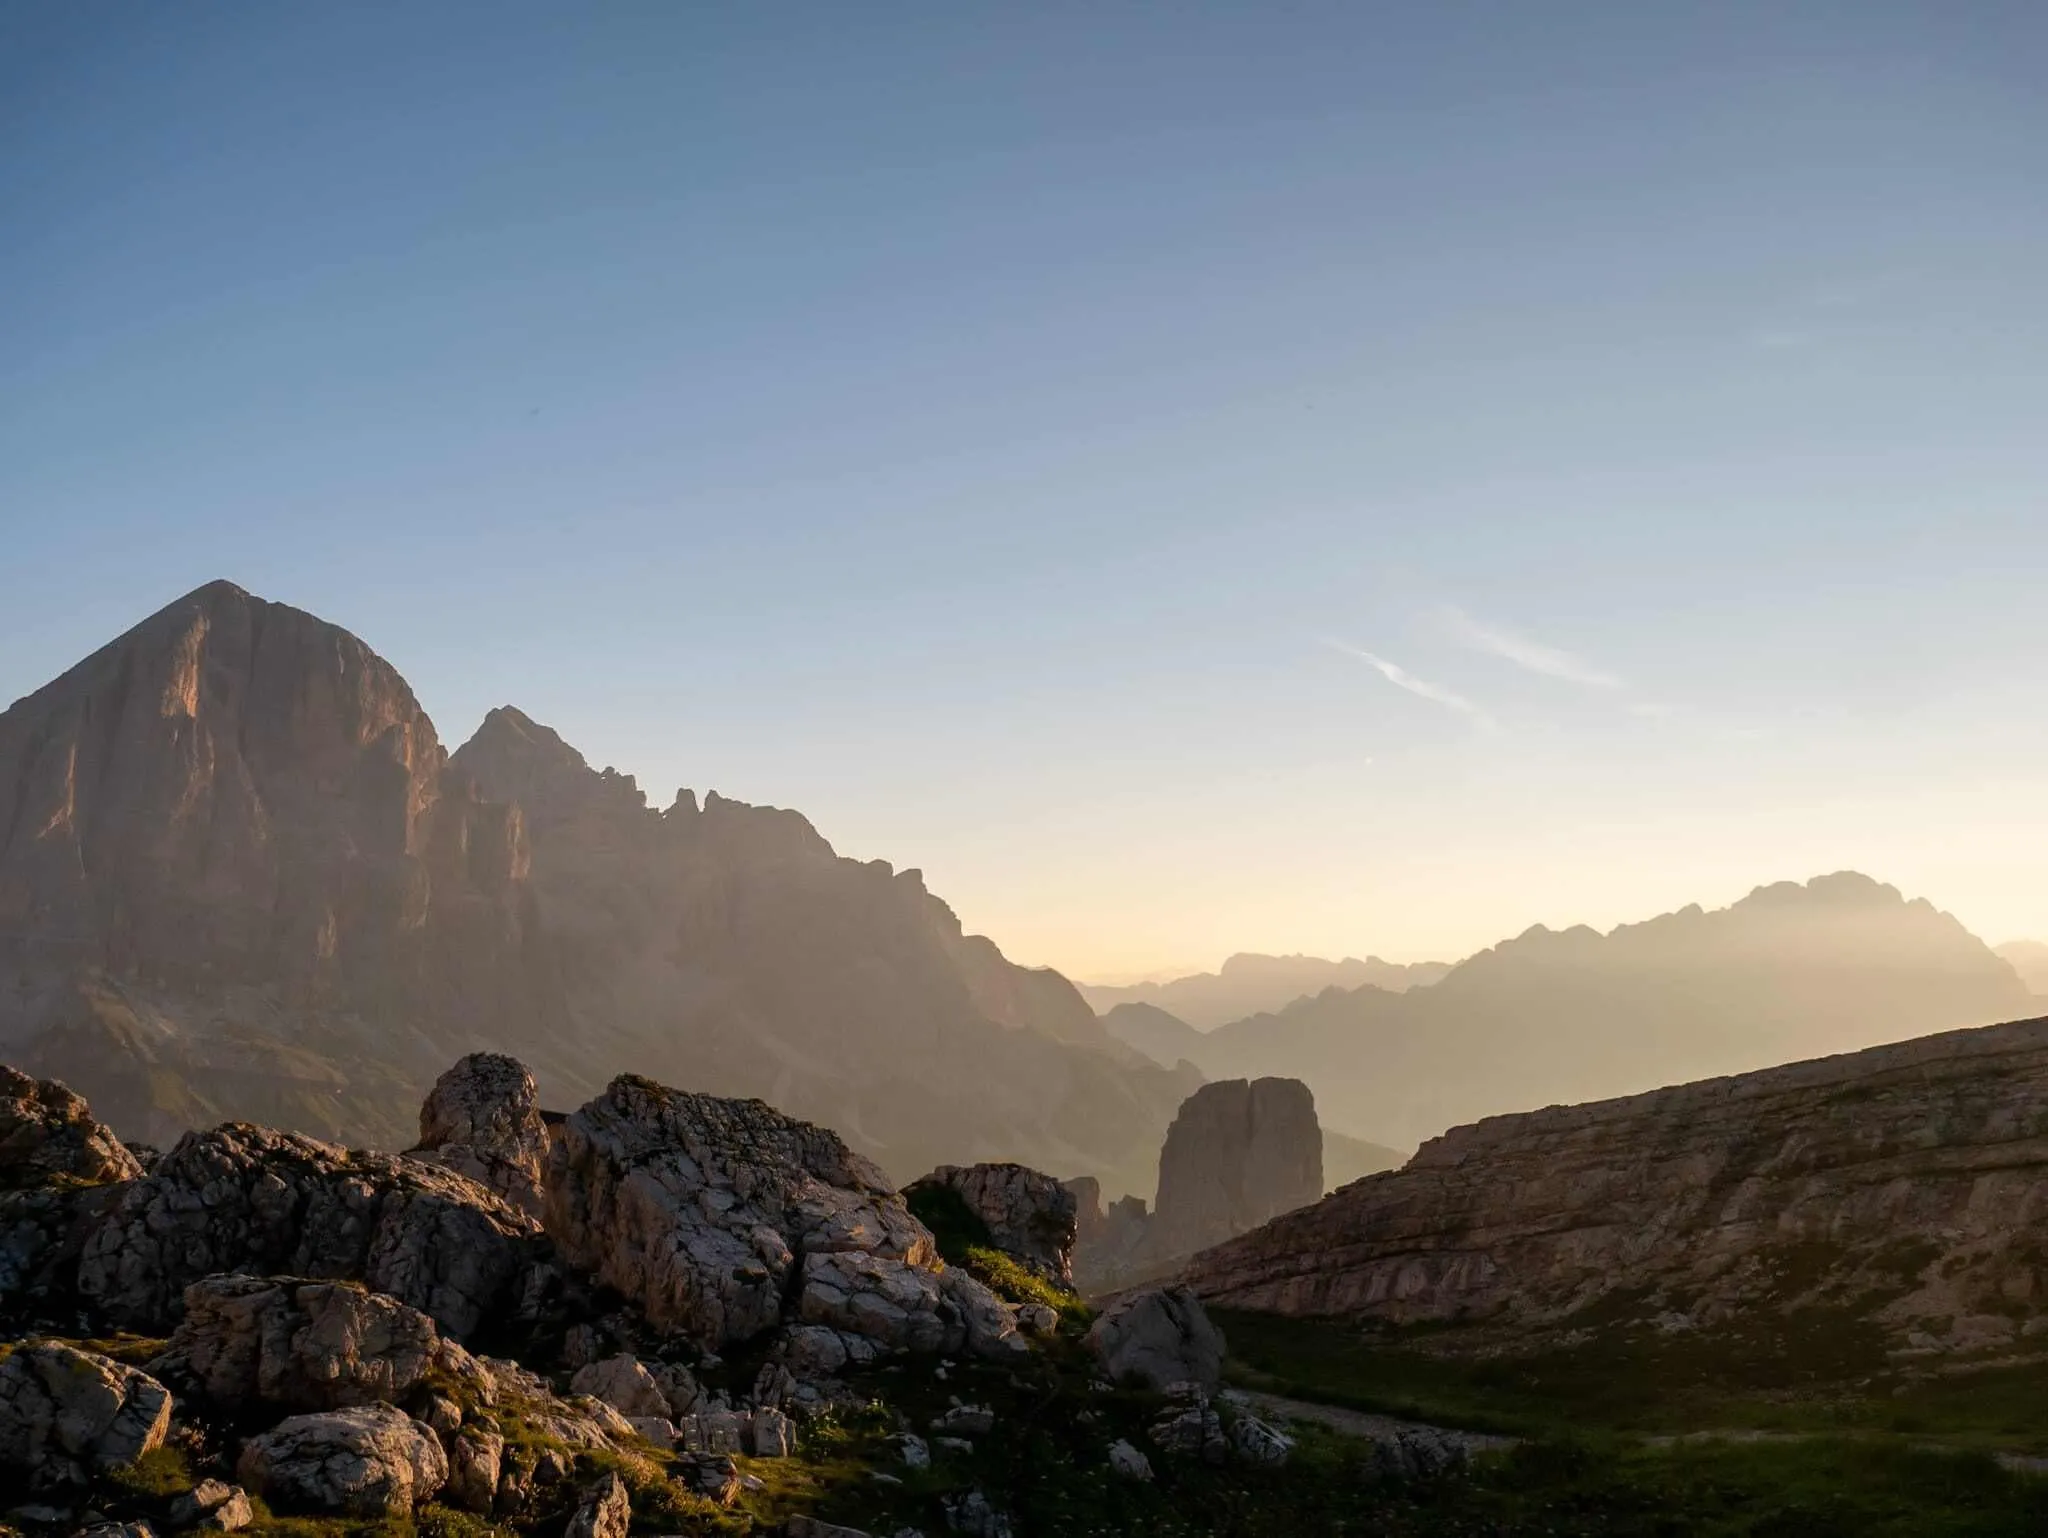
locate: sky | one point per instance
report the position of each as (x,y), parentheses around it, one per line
(1341,478)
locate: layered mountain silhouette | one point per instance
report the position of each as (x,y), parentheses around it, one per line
(2029,958)
(1791,971)
(241,877)
(1251,984)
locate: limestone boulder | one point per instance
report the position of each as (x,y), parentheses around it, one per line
(476,1456)
(606,1511)
(250,1199)
(1029,1216)
(903,1307)
(482,1119)
(366,1461)
(1159,1337)
(702,1210)
(638,1389)
(47,1132)
(65,1412)
(308,1345)
(213,1505)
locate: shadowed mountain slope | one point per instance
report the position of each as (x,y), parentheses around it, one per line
(240,877)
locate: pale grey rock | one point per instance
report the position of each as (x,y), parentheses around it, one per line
(914,1450)
(1030,1216)
(1126,1462)
(966,1420)
(606,1511)
(214,1505)
(770,1434)
(1158,1337)
(65,1412)
(901,1306)
(443,1414)
(614,1426)
(715,1430)
(365,1461)
(476,1456)
(1193,1432)
(972,1515)
(623,1383)
(658,1429)
(702,1210)
(482,1119)
(1254,1442)
(255,1200)
(47,1131)
(307,1345)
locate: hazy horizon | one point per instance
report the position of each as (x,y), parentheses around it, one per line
(1348,483)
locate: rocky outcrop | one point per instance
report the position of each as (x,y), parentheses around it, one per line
(262,1202)
(606,1511)
(702,1210)
(635,1388)
(1029,1216)
(48,1133)
(1238,1153)
(66,1413)
(1907,1183)
(370,1461)
(482,1119)
(905,1307)
(1158,1337)
(306,1345)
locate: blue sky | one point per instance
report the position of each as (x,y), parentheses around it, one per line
(1331,477)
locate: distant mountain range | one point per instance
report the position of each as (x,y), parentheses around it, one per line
(1791,971)
(1251,984)
(240,877)
(2029,958)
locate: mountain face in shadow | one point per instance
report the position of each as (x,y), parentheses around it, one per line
(1791,971)
(240,877)
(1251,984)
(1165,1038)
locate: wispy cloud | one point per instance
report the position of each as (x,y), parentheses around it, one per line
(1523,652)
(1401,678)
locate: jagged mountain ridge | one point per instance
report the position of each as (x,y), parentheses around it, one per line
(240,877)
(1249,983)
(1789,971)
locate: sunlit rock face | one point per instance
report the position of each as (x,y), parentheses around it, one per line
(240,879)
(1908,1183)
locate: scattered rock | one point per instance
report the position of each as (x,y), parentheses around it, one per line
(308,1345)
(966,1420)
(973,1515)
(1193,1432)
(1126,1462)
(366,1461)
(700,1209)
(606,1511)
(711,1431)
(1254,1442)
(47,1131)
(1418,1452)
(66,1412)
(476,1456)
(1030,1217)
(1158,1337)
(213,1504)
(262,1202)
(712,1475)
(771,1434)
(914,1450)
(482,1119)
(622,1383)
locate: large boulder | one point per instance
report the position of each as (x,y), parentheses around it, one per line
(483,1119)
(1159,1337)
(368,1461)
(701,1210)
(1029,1216)
(66,1412)
(905,1307)
(255,1200)
(307,1345)
(48,1133)
(1238,1154)
(638,1389)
